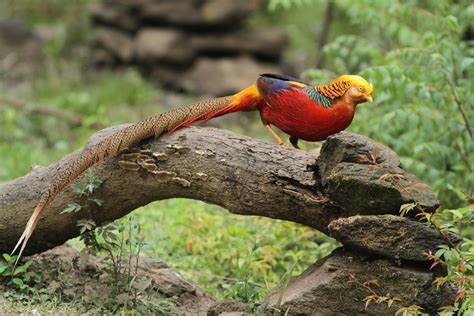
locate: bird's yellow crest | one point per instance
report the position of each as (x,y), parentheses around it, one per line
(340,85)
(356,81)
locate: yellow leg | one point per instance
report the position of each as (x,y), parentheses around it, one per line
(274,134)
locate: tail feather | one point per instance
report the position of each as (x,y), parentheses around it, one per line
(245,100)
(31,225)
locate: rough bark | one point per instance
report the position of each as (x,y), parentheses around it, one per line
(244,175)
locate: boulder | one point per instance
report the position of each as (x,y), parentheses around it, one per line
(170,39)
(21,49)
(341,284)
(264,43)
(225,76)
(227,13)
(167,75)
(174,13)
(365,177)
(165,45)
(390,236)
(117,14)
(119,44)
(198,14)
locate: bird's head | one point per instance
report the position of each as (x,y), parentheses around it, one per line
(354,89)
(359,90)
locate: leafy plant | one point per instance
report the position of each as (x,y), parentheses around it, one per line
(19,275)
(118,241)
(86,190)
(423,79)
(458,259)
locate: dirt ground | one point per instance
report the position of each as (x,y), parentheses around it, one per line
(74,281)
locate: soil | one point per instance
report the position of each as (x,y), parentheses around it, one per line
(73,279)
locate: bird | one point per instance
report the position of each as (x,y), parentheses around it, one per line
(299,109)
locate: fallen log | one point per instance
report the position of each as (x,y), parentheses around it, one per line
(353,175)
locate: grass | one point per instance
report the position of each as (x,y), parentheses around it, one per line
(223,252)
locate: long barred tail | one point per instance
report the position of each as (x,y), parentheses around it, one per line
(248,99)
(245,100)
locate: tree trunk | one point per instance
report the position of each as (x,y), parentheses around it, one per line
(352,175)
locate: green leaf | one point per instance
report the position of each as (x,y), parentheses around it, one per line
(78,188)
(72,207)
(3,268)
(467,63)
(18,282)
(8,258)
(452,22)
(97,201)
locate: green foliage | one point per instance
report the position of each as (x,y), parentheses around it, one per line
(286,4)
(86,190)
(457,259)
(18,275)
(423,81)
(122,247)
(229,255)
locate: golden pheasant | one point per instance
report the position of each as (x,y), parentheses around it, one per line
(306,112)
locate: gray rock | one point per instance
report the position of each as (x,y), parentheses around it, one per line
(167,45)
(201,14)
(119,14)
(225,76)
(120,44)
(21,49)
(227,13)
(179,13)
(262,43)
(390,236)
(335,286)
(166,74)
(365,177)
(349,147)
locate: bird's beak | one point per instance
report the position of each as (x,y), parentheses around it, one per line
(368,97)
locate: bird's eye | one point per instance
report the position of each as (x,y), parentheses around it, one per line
(361,89)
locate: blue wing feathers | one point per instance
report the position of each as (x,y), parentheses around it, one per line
(268,84)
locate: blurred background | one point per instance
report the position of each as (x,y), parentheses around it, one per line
(70,68)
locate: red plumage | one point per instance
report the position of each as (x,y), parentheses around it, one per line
(297,114)
(296,108)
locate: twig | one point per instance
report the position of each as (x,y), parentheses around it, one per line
(459,105)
